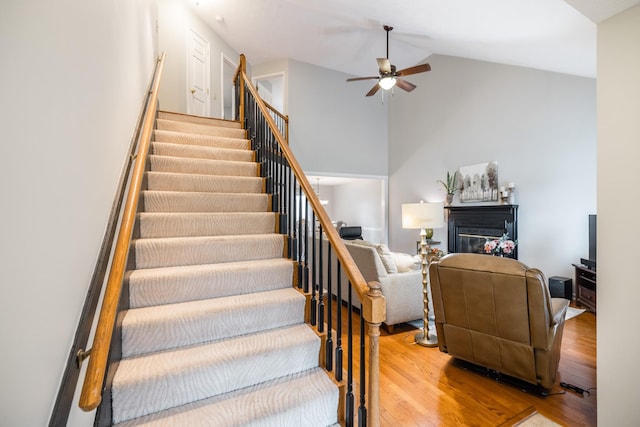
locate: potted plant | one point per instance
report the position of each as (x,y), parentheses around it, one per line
(449,186)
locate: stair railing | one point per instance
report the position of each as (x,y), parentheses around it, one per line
(299,210)
(94,379)
(281,121)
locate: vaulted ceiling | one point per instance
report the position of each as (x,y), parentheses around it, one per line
(347,35)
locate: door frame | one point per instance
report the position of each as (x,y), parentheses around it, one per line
(226,61)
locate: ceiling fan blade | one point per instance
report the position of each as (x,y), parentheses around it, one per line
(354,79)
(414,70)
(373,90)
(403,84)
(384,65)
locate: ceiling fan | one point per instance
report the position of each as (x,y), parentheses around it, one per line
(389,77)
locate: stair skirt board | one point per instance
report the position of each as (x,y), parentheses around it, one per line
(214,333)
(306,398)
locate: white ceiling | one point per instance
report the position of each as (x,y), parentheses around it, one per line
(347,35)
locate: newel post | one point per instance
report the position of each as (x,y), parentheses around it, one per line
(375,312)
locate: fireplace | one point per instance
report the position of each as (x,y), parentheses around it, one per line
(470,226)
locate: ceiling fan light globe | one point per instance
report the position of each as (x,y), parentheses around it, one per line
(387,83)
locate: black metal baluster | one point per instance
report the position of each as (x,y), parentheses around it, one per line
(329,349)
(362,410)
(293,215)
(313,270)
(321,283)
(349,403)
(338,371)
(300,237)
(305,275)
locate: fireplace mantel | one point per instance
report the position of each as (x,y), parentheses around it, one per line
(469,226)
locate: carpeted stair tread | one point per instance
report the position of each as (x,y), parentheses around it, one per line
(192,224)
(157,286)
(202,166)
(180,201)
(202,140)
(211,121)
(200,152)
(158,381)
(214,330)
(176,251)
(163,327)
(308,398)
(168,181)
(199,129)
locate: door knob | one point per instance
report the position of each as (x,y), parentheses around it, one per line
(193,91)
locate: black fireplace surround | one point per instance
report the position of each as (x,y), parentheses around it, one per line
(470,226)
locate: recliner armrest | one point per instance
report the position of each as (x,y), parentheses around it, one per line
(558,310)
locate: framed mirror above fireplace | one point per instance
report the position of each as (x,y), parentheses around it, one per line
(469,227)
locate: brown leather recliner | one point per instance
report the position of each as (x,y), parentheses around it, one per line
(497,313)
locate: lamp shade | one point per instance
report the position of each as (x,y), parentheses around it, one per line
(423,215)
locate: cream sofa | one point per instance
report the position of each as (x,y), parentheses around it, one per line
(399,275)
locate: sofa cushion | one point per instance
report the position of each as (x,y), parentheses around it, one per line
(384,253)
(406,262)
(387,258)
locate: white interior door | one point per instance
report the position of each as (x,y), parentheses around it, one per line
(198,72)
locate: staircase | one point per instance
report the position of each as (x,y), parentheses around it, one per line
(214,333)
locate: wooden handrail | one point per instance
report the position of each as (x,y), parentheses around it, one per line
(91,394)
(341,252)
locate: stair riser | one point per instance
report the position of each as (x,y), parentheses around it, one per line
(200,120)
(198,152)
(175,252)
(152,329)
(199,129)
(200,166)
(202,140)
(163,181)
(181,284)
(167,201)
(158,225)
(219,368)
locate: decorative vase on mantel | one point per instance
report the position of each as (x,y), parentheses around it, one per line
(449,199)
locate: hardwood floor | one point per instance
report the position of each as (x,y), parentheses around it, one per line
(425,387)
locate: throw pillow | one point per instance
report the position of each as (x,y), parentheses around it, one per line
(406,262)
(387,258)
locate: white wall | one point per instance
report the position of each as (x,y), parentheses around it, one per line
(329,115)
(618,212)
(539,126)
(275,68)
(362,202)
(174,21)
(73,77)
